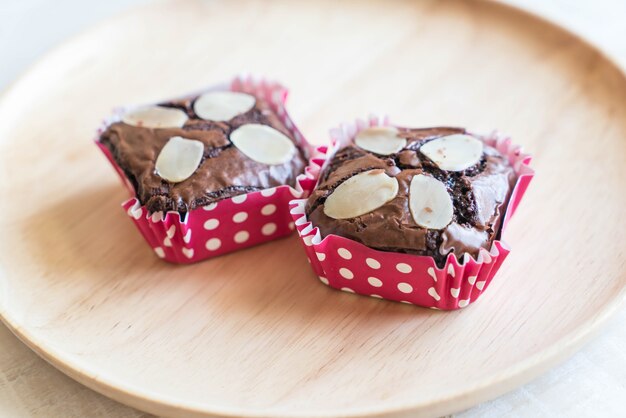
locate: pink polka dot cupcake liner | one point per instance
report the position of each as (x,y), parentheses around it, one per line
(229,224)
(350,266)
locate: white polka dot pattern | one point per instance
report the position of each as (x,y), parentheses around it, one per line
(403,268)
(241,236)
(240,198)
(134,213)
(240,217)
(374,281)
(399,277)
(211,224)
(225,232)
(268,209)
(213,244)
(345,254)
(451,270)
(346,274)
(268,229)
(217,233)
(433,292)
(405,287)
(375,264)
(431,273)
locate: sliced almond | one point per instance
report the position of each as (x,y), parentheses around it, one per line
(361,194)
(221,106)
(454,152)
(382,140)
(263,143)
(429,202)
(155,117)
(179,158)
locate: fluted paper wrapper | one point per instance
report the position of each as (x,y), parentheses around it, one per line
(229,224)
(350,266)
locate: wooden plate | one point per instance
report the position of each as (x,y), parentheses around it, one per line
(254,333)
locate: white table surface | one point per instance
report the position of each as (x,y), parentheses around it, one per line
(590,384)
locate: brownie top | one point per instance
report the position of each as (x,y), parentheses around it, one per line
(223,167)
(459,208)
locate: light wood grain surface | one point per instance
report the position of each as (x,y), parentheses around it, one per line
(238,335)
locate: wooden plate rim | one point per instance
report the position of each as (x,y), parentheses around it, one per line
(497,385)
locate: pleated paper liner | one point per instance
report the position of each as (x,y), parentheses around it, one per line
(229,224)
(350,266)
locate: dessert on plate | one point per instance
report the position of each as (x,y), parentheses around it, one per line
(412,215)
(211,172)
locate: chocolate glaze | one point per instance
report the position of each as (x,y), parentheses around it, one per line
(479,195)
(223,172)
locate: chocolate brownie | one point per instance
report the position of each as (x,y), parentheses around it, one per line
(397,194)
(221,168)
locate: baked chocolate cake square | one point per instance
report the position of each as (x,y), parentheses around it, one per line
(430,192)
(187,153)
